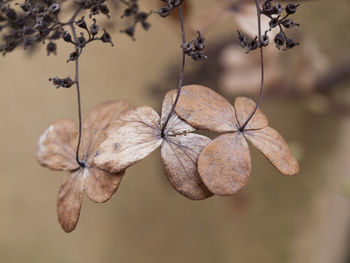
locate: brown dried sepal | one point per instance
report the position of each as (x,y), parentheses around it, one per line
(224,165)
(138,132)
(276,150)
(204,109)
(56,150)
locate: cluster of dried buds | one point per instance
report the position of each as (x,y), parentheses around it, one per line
(116,136)
(274,12)
(138,17)
(38,21)
(195,47)
(171,5)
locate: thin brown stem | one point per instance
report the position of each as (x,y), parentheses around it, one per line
(81,163)
(181,73)
(261,64)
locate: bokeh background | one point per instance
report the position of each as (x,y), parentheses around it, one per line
(274,219)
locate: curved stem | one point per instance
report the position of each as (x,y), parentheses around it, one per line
(181,73)
(81,163)
(262,68)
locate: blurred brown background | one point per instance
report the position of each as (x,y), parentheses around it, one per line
(274,219)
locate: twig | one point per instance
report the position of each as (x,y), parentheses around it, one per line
(182,71)
(262,67)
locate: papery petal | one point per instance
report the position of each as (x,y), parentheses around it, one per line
(273,146)
(175,125)
(97,121)
(205,109)
(179,157)
(244,107)
(56,146)
(69,200)
(224,164)
(129,140)
(100,185)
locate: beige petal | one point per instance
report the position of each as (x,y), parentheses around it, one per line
(69,200)
(179,157)
(273,146)
(175,125)
(100,185)
(244,107)
(56,146)
(96,122)
(224,165)
(205,109)
(131,139)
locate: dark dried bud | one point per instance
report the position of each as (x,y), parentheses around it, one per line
(288,23)
(106,37)
(291,8)
(164,11)
(128,12)
(25,6)
(141,16)
(274,22)
(94,11)
(243,41)
(264,40)
(252,45)
(131,10)
(55,35)
(199,43)
(81,23)
(104,10)
(280,38)
(277,9)
(187,47)
(94,28)
(130,31)
(73,56)
(290,43)
(54,8)
(81,41)
(145,25)
(11,14)
(267,7)
(66,36)
(175,3)
(64,83)
(51,48)
(197,56)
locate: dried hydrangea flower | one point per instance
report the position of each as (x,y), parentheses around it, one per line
(57,150)
(224,164)
(138,132)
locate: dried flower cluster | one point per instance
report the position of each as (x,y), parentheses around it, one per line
(39,21)
(273,11)
(56,150)
(117,136)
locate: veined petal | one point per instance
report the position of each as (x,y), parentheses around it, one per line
(56,146)
(129,140)
(69,200)
(205,109)
(175,125)
(96,123)
(276,150)
(224,164)
(244,107)
(100,185)
(179,156)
